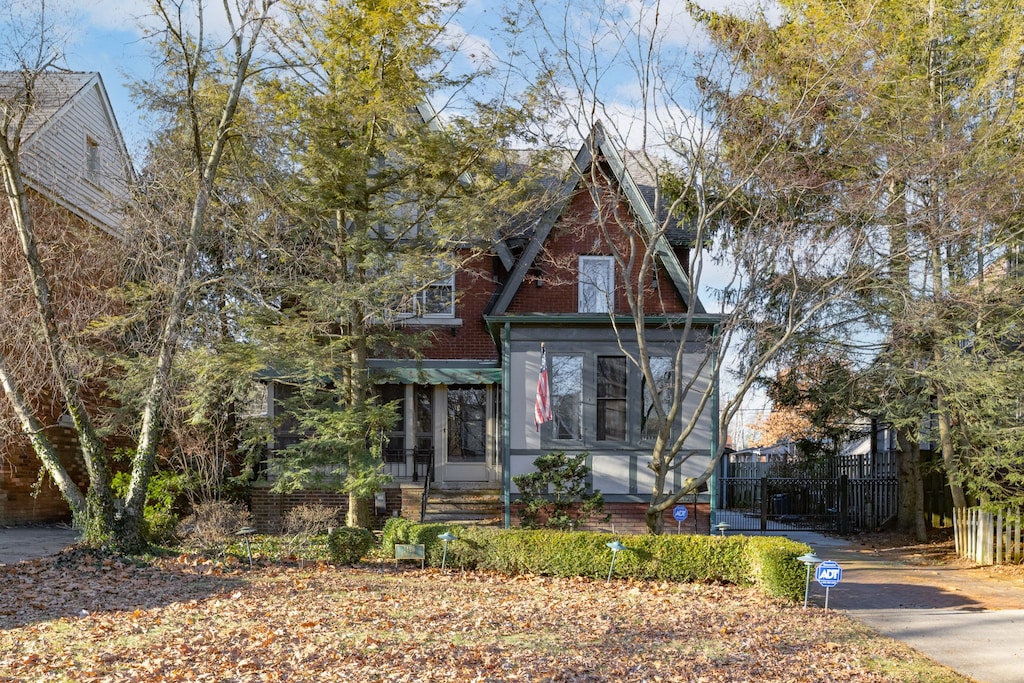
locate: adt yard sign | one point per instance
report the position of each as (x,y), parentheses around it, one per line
(828,574)
(680,513)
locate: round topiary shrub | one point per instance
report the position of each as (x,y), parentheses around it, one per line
(347,545)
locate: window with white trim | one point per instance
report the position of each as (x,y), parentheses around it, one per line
(437,300)
(596,284)
(93,158)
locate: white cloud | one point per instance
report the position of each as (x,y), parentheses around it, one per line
(474,47)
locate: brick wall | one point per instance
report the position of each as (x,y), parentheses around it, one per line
(25,498)
(270,509)
(474,286)
(556,268)
(81,269)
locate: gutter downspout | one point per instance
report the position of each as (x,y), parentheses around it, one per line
(506,426)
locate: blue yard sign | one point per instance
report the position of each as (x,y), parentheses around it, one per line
(828,574)
(680,513)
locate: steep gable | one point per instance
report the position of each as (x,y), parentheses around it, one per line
(72,150)
(570,228)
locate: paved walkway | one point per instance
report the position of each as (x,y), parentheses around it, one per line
(29,542)
(960,617)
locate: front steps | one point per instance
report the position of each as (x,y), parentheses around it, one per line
(479,507)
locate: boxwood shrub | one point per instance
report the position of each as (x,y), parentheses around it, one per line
(766,562)
(347,545)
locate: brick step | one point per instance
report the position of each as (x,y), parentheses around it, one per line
(470,506)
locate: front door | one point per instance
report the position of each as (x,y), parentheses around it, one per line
(466,452)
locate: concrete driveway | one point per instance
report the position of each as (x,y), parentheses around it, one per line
(27,543)
(961,617)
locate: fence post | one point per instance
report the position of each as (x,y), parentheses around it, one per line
(999,538)
(764,503)
(958,526)
(844,504)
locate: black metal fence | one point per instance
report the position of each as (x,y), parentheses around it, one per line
(409,464)
(839,504)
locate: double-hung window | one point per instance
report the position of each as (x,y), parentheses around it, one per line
(437,300)
(660,393)
(611,398)
(596,286)
(566,386)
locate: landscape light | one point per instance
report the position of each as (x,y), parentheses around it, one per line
(809,560)
(446,536)
(615,547)
(246,532)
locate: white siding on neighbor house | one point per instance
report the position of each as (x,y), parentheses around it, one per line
(55,160)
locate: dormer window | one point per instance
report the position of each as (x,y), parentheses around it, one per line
(596,284)
(93,158)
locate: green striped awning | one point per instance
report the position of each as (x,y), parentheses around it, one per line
(438,376)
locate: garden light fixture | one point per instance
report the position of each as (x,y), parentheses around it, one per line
(615,548)
(809,560)
(446,536)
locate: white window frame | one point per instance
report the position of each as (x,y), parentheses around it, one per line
(93,158)
(596,284)
(429,295)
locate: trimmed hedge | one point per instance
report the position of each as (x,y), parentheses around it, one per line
(766,562)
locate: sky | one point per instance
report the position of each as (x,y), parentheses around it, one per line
(107,36)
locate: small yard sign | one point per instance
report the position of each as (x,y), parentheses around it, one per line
(828,574)
(410,551)
(680,513)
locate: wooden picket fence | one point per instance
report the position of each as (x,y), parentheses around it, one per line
(988,537)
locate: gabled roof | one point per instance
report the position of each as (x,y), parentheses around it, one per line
(53,95)
(640,199)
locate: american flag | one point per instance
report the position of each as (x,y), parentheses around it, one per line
(542,406)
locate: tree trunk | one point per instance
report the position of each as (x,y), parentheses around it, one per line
(911,515)
(655,521)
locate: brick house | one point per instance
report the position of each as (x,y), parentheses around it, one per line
(467,410)
(77,172)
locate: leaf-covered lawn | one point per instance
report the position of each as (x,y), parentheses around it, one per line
(85,618)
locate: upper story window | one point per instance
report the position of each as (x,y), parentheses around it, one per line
(596,284)
(93,158)
(437,300)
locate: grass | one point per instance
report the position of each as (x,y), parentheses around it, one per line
(187,619)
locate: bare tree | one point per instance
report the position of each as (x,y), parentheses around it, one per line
(103,518)
(775,278)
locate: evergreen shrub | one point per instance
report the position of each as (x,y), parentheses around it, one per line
(769,563)
(347,545)
(396,530)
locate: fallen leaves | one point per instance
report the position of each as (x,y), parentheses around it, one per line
(180,620)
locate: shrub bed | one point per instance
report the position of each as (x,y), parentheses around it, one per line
(770,563)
